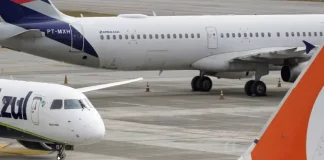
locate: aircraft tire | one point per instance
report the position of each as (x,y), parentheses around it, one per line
(194,84)
(259,88)
(248,87)
(205,84)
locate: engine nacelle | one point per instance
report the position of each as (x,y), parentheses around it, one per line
(232,75)
(291,73)
(42,146)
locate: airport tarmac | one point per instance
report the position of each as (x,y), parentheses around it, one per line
(193,7)
(170,122)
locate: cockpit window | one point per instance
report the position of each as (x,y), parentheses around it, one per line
(73,104)
(57,104)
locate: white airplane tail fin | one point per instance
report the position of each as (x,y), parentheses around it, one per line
(28,11)
(296,130)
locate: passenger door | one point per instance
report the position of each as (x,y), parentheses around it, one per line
(36,104)
(212,39)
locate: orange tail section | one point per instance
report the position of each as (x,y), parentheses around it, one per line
(296,131)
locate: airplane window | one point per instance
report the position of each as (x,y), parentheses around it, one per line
(162,36)
(57,104)
(144,36)
(245,35)
(126,36)
(156,36)
(278,34)
(257,34)
(102,37)
(73,104)
(198,35)
(251,34)
(262,34)
(239,34)
(174,36)
(227,35)
(138,36)
(87,103)
(169,36)
(233,35)
(132,36)
(287,34)
(222,35)
(192,36)
(180,36)
(186,35)
(310,34)
(292,34)
(298,34)
(151,36)
(321,34)
(108,37)
(315,34)
(269,34)
(120,37)
(114,36)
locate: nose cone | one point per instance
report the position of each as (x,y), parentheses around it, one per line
(96,130)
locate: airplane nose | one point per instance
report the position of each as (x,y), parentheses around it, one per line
(99,131)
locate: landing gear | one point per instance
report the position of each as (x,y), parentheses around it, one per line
(61,155)
(257,88)
(203,84)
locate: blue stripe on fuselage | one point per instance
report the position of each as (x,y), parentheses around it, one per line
(29,19)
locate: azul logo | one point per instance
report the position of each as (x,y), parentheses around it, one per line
(14,107)
(58,31)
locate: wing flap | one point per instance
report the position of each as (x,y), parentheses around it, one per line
(109,85)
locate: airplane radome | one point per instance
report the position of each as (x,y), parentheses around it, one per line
(39,115)
(232,46)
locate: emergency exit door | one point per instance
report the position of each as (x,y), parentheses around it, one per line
(212,39)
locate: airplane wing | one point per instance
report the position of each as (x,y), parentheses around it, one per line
(33,33)
(103,86)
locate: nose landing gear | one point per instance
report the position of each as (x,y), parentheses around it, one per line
(61,152)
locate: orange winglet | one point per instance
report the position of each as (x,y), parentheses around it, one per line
(285,137)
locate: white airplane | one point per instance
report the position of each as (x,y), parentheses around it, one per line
(296,130)
(230,46)
(50,117)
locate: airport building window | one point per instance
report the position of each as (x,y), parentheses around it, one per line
(169,36)
(57,104)
(126,36)
(257,34)
(101,37)
(186,35)
(278,34)
(151,36)
(108,37)
(162,36)
(269,34)
(198,35)
(315,34)
(310,34)
(192,36)
(114,36)
(180,36)
(262,34)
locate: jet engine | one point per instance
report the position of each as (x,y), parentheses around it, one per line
(42,146)
(291,73)
(231,75)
